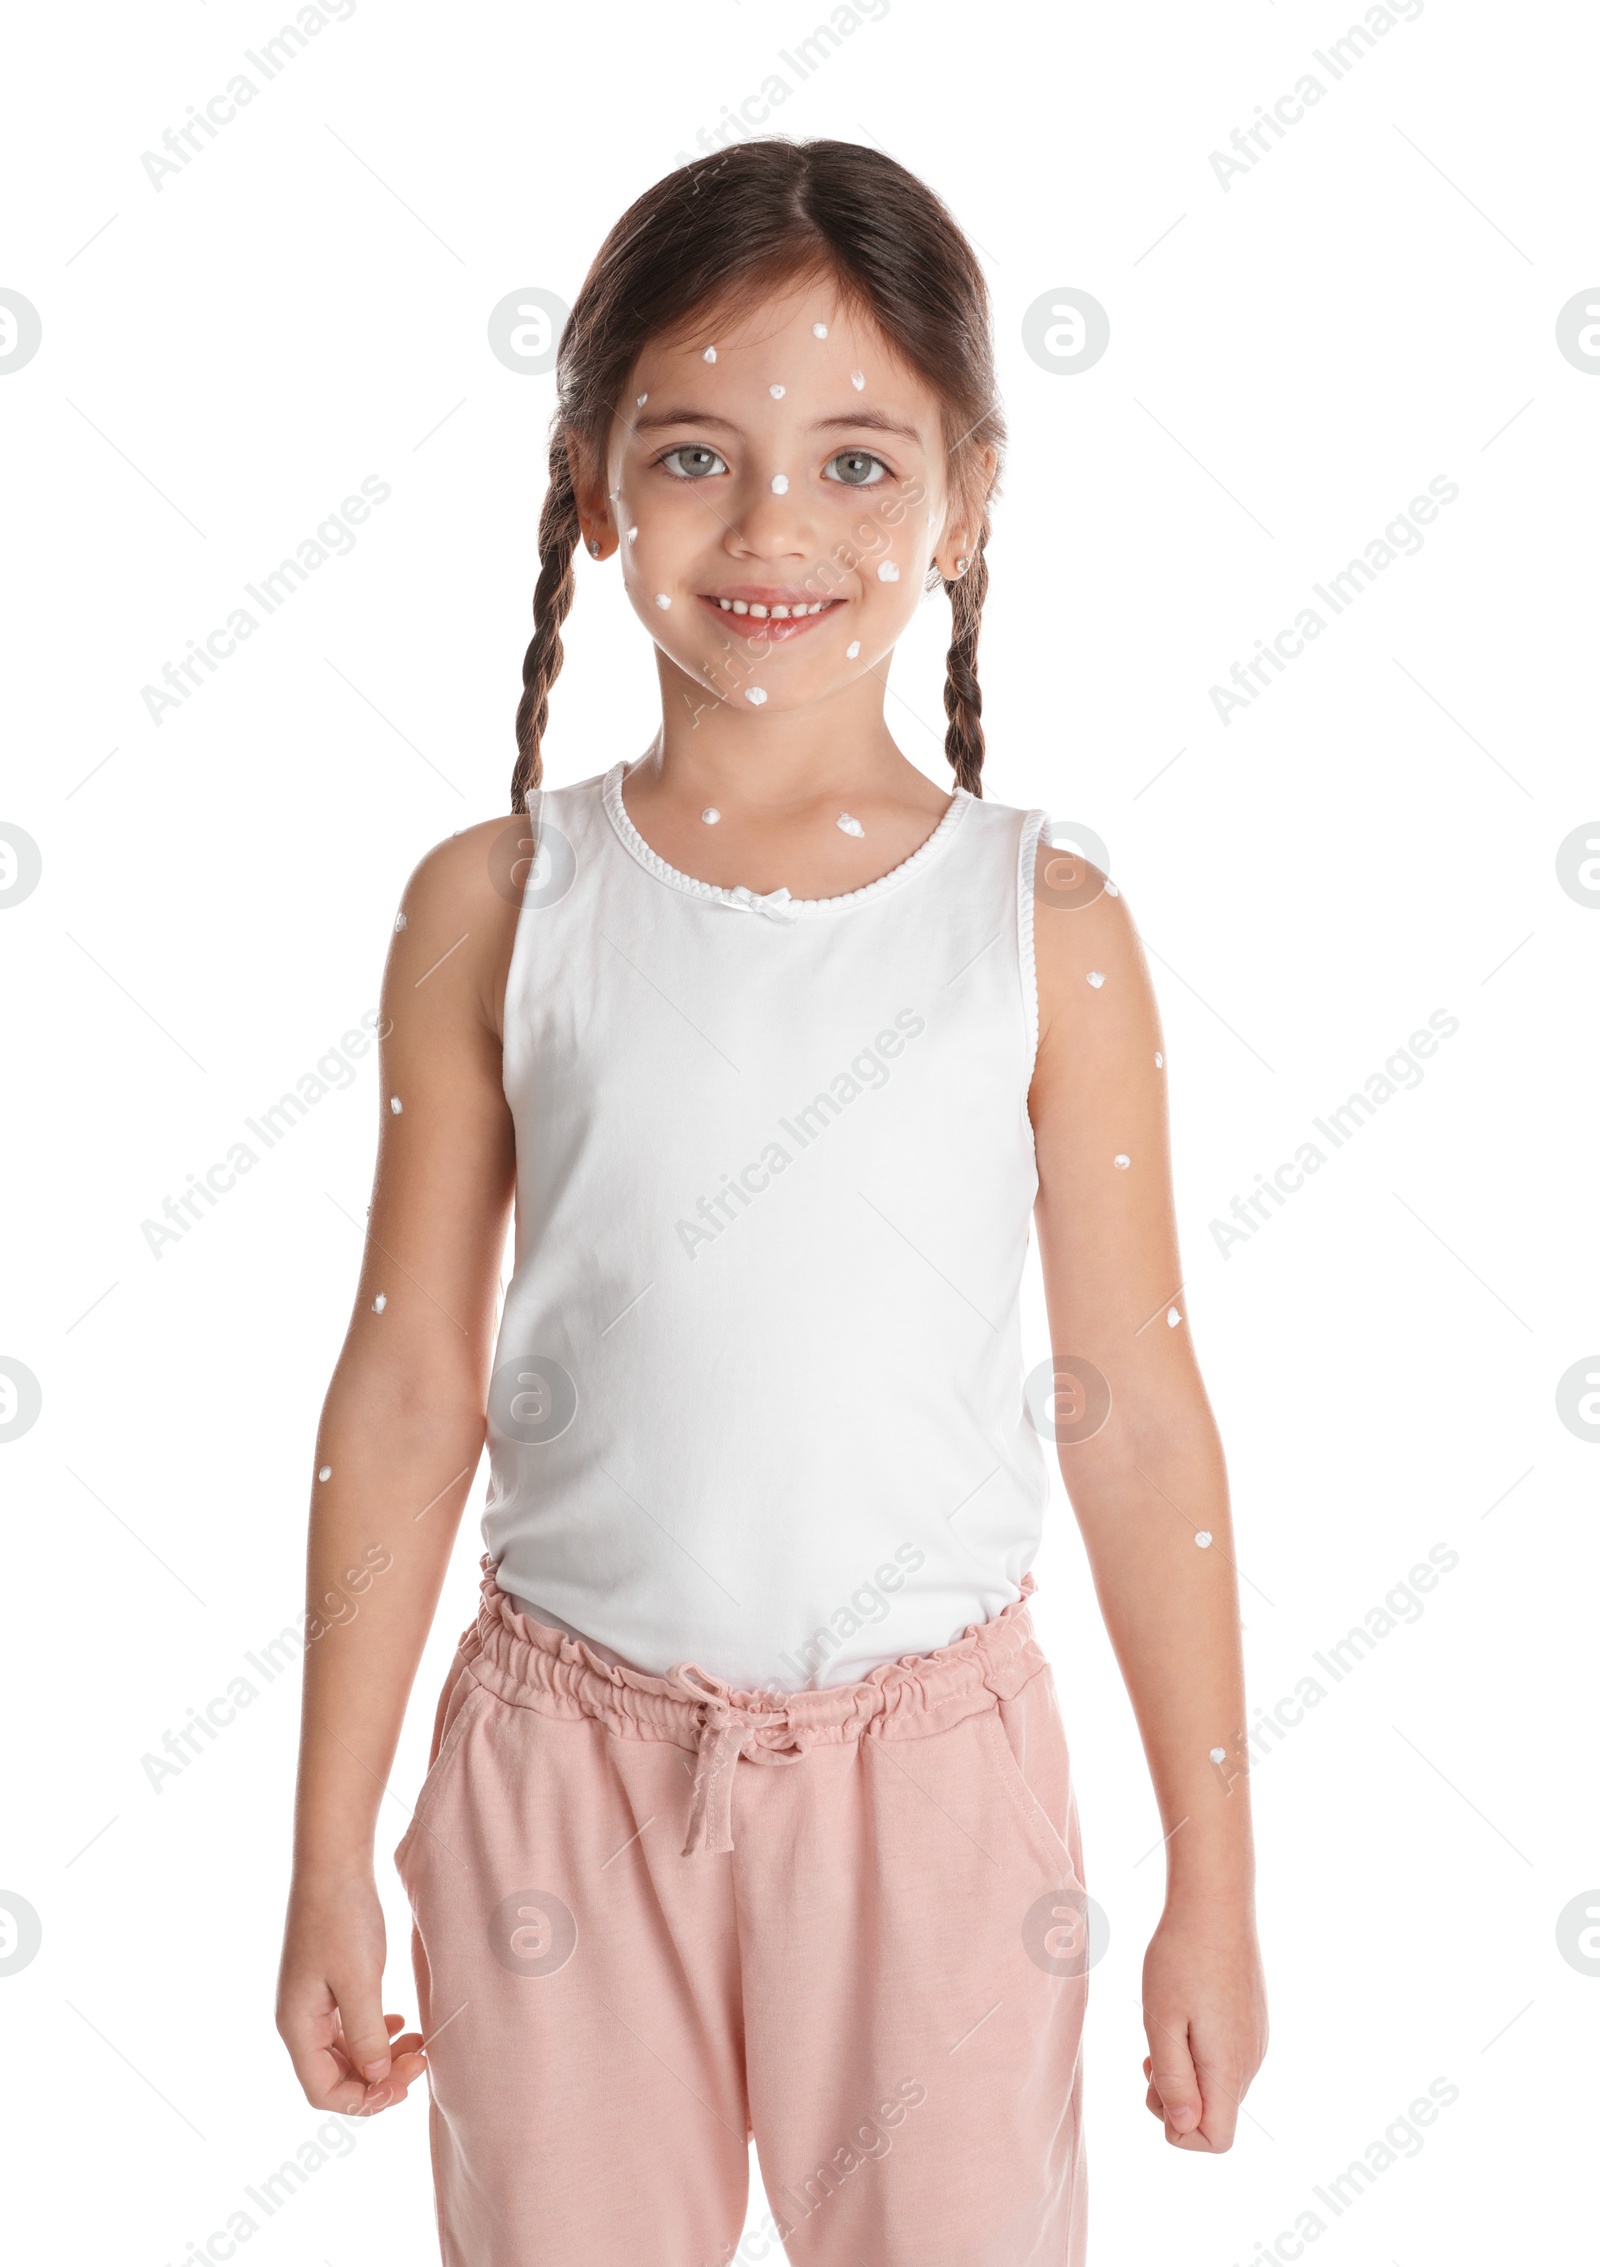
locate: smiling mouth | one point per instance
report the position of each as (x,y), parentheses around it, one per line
(772,620)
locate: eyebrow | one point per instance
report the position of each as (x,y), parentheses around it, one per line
(875,420)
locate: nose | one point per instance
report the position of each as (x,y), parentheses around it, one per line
(765,524)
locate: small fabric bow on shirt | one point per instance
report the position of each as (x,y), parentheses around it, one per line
(778,905)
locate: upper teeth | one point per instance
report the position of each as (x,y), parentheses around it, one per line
(770,613)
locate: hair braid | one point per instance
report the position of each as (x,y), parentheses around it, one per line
(963,700)
(552,603)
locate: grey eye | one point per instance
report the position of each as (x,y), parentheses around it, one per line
(859,468)
(701,461)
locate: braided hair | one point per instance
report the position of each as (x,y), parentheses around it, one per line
(722,235)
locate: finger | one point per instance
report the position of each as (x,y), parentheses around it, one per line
(308,2026)
(1173,2079)
(1220,2111)
(363,2033)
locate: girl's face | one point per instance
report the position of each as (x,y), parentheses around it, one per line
(776,490)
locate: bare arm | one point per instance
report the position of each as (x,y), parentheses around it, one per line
(401,1433)
(1149,1486)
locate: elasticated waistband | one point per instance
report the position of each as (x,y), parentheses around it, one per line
(533,1666)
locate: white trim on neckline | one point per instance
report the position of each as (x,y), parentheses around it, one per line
(792,908)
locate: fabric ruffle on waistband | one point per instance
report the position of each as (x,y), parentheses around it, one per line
(533,1666)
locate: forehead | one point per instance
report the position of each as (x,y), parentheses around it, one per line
(804,337)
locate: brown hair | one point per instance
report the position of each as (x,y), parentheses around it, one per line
(721,236)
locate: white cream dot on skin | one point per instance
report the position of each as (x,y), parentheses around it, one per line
(710,815)
(1160,1062)
(780,484)
(776,392)
(755,695)
(1112,890)
(1219,1755)
(847,825)
(1121,1162)
(380,1302)
(325,1472)
(819,330)
(852,649)
(641,399)
(662,600)
(1204,1538)
(888,571)
(858,379)
(633,535)
(1097,977)
(710,354)
(1173,1318)
(399,923)
(395,1104)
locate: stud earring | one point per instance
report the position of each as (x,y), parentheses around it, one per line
(962,565)
(594,548)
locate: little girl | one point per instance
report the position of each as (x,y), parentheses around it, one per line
(748,1813)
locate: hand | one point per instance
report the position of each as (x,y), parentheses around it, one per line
(1205,2016)
(345,2052)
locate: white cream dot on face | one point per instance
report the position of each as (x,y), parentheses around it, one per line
(1219,1755)
(1121,1162)
(819,330)
(888,571)
(710,815)
(780,484)
(633,535)
(662,600)
(641,399)
(1097,977)
(858,379)
(1204,1538)
(1160,1061)
(847,825)
(1173,1318)
(325,1472)
(380,1302)
(852,649)
(755,695)
(399,922)
(710,354)
(1112,890)
(395,1104)
(776,392)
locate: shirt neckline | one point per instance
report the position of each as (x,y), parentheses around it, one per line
(802,908)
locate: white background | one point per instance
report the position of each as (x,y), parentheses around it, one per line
(1292,358)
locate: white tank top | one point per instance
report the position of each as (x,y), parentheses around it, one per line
(757,1398)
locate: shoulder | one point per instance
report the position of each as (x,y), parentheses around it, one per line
(469,874)
(457,920)
(1095,995)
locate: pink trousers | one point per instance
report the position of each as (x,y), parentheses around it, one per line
(656,1917)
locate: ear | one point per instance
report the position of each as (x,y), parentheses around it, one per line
(959,540)
(595,521)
